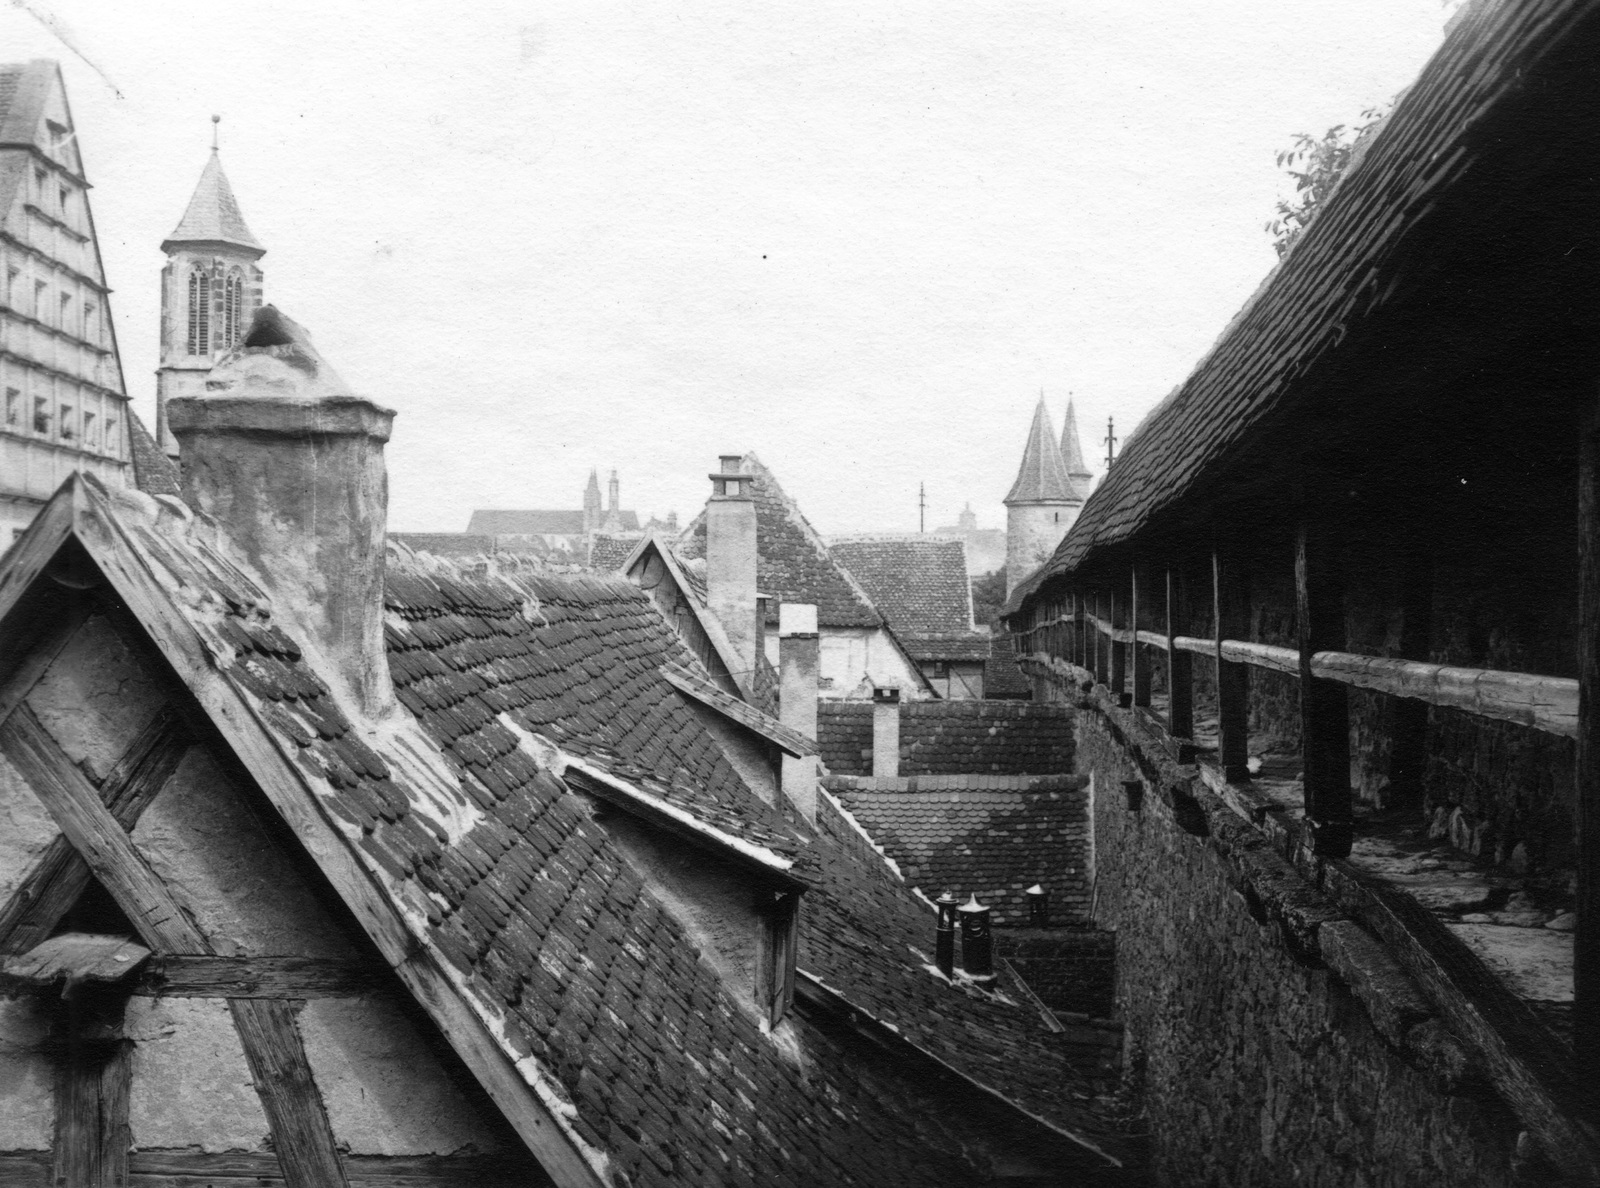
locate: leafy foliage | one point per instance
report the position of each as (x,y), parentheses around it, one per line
(989,598)
(1316,164)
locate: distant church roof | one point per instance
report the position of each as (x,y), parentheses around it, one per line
(1043,477)
(213,214)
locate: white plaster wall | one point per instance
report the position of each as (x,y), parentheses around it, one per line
(850,654)
(96,698)
(27,1101)
(26,828)
(385,1092)
(209,848)
(191,1084)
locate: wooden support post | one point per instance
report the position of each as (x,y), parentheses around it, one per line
(1119,651)
(301,1134)
(1180,674)
(1324,705)
(1138,611)
(1409,718)
(1586,947)
(1231,614)
(93,1075)
(1072,628)
(1102,643)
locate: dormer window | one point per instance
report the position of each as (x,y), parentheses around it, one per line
(775,954)
(199,313)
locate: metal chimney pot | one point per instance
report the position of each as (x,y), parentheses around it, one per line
(944,936)
(977,945)
(1038,906)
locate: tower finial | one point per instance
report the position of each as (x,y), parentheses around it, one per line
(215,120)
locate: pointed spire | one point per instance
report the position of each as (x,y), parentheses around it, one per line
(1072,454)
(1042,477)
(213,214)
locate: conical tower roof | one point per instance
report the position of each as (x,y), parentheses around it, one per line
(1042,478)
(213,214)
(1072,454)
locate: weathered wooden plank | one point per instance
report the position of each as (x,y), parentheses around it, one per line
(1138,611)
(116,1133)
(258,977)
(1180,672)
(59,877)
(76,957)
(194,1169)
(77,1139)
(1230,611)
(27,1169)
(1548,704)
(301,1134)
(1324,705)
(96,835)
(707,694)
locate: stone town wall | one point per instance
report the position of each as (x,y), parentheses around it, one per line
(1259,1064)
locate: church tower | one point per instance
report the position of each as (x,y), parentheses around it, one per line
(1042,504)
(592,514)
(210,289)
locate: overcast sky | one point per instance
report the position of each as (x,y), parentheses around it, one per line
(855,238)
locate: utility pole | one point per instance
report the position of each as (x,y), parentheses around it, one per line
(922,507)
(1111,441)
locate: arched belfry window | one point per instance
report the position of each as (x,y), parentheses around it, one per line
(199,313)
(232,309)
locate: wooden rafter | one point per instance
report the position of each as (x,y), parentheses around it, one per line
(60,876)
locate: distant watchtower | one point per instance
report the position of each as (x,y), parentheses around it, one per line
(1045,499)
(210,289)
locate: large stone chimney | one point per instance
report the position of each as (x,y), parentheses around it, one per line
(885,731)
(290,463)
(797,700)
(731,561)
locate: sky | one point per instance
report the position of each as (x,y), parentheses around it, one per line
(858,239)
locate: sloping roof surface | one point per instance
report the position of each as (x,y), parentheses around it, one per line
(919,583)
(446,544)
(608,552)
(969,837)
(1072,452)
(952,737)
(1339,274)
(1042,477)
(153,472)
(509,881)
(793,563)
(24,87)
(527,523)
(213,214)
(945,645)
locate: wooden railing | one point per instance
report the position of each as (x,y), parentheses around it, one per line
(1545,703)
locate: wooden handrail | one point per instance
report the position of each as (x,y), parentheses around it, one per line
(1545,703)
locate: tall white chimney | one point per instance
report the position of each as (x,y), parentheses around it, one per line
(290,463)
(731,560)
(885,731)
(797,700)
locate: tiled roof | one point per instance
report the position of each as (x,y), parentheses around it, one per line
(213,214)
(24,86)
(608,552)
(1042,477)
(526,523)
(946,645)
(1072,452)
(512,884)
(446,544)
(1346,269)
(918,582)
(1001,676)
(969,837)
(153,472)
(952,737)
(793,563)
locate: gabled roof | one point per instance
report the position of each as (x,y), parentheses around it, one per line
(452,830)
(793,563)
(1042,477)
(153,472)
(988,836)
(918,582)
(24,90)
(538,522)
(213,215)
(608,551)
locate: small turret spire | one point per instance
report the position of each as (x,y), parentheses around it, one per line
(1042,478)
(1072,452)
(215,121)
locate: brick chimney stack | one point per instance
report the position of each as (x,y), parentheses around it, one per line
(731,560)
(885,731)
(797,700)
(290,463)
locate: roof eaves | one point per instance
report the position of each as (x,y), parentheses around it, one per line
(738,712)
